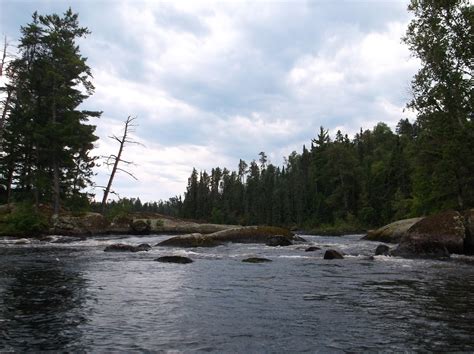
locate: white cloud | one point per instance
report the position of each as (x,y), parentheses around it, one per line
(212,82)
(363,79)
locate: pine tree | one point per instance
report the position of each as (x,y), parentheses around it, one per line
(52,137)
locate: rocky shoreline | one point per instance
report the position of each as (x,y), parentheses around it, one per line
(435,236)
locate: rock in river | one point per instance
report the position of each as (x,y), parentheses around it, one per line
(279,241)
(122,247)
(312,249)
(333,254)
(391,233)
(256,260)
(190,240)
(246,234)
(382,250)
(435,236)
(174,259)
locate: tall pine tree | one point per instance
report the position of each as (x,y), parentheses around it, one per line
(48,136)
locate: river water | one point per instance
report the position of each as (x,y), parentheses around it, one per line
(73,296)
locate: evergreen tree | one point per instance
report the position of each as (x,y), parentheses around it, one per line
(47,139)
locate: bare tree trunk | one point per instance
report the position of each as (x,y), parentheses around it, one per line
(4,56)
(114,170)
(9,92)
(117,159)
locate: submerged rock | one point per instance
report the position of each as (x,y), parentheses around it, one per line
(435,236)
(174,259)
(297,238)
(142,247)
(256,260)
(23,241)
(279,241)
(312,249)
(391,233)
(122,247)
(333,254)
(382,250)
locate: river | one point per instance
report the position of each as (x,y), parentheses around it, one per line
(75,297)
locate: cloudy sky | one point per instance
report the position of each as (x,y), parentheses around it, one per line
(213,82)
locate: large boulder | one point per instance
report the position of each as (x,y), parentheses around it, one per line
(333,254)
(469,225)
(391,233)
(251,234)
(434,236)
(191,240)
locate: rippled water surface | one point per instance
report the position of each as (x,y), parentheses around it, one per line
(74,296)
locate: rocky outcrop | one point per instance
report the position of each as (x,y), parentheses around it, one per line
(278,241)
(122,247)
(83,224)
(435,236)
(256,260)
(141,227)
(162,224)
(391,233)
(382,250)
(333,254)
(251,234)
(133,223)
(174,259)
(191,240)
(247,234)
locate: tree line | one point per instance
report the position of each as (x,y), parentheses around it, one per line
(378,175)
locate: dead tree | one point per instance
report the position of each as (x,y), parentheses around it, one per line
(114,160)
(4,71)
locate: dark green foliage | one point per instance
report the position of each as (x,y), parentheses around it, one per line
(24,220)
(46,140)
(338,185)
(124,206)
(441,36)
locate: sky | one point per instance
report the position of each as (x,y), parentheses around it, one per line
(212,82)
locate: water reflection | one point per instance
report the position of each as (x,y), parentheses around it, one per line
(41,297)
(432,311)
